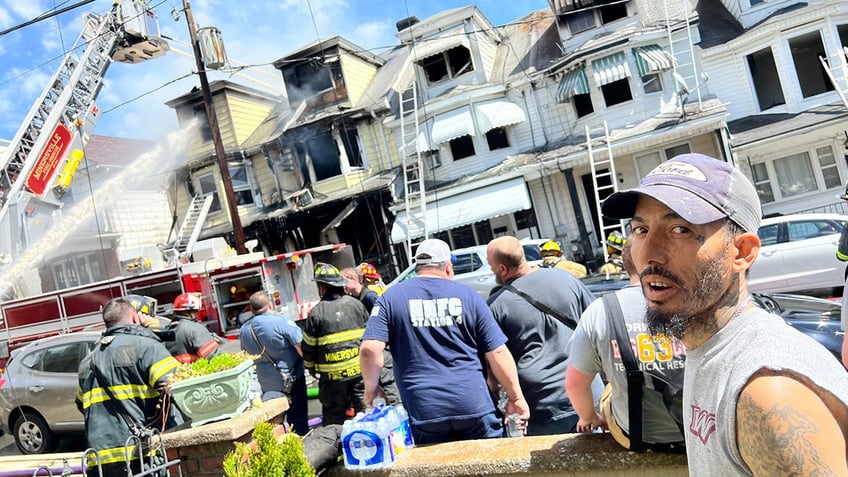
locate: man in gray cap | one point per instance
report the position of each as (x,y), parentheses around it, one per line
(760,398)
(438,330)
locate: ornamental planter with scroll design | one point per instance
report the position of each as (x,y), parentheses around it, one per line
(215,396)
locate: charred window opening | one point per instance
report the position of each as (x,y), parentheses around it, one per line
(582,104)
(462,147)
(806,50)
(206,185)
(306,79)
(580,21)
(496,138)
(766,81)
(203,118)
(324,153)
(617,92)
(350,141)
(447,64)
(613,12)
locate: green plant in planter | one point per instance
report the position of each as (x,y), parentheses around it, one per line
(268,455)
(206,366)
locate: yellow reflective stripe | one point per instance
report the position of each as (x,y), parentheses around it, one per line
(308,364)
(161,368)
(113,455)
(308,340)
(122,392)
(330,367)
(341,337)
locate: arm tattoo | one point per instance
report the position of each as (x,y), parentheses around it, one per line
(775,441)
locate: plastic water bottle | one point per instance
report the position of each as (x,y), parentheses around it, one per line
(512,429)
(403,419)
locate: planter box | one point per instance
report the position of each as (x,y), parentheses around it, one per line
(216,396)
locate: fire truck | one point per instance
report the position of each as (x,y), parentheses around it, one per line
(224,281)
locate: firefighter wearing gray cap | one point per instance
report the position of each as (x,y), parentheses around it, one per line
(331,341)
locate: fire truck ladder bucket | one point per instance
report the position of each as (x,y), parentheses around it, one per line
(604,177)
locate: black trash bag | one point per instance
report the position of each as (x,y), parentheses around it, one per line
(322,446)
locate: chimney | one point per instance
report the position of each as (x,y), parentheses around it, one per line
(406,23)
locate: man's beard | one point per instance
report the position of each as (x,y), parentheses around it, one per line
(700,300)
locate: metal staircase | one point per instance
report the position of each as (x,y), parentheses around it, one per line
(192,225)
(836,67)
(604,177)
(686,76)
(415,197)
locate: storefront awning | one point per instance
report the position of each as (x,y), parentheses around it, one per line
(610,68)
(651,59)
(463,209)
(497,114)
(451,125)
(573,83)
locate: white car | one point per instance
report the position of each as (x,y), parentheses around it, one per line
(798,252)
(471,267)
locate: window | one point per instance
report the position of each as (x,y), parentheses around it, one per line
(842,31)
(525,219)
(611,13)
(447,64)
(462,147)
(677,150)
(496,138)
(61,359)
(812,77)
(484,231)
(616,92)
(241,185)
(762,183)
(795,175)
(324,153)
(830,171)
(466,262)
(769,234)
(203,119)
(756,2)
(580,21)
(350,141)
(464,237)
(206,185)
(305,79)
(810,229)
(764,76)
(646,163)
(582,104)
(652,83)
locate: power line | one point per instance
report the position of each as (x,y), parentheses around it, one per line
(45,16)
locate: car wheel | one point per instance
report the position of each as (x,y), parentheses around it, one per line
(32,436)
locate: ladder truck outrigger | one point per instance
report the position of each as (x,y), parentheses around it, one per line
(41,159)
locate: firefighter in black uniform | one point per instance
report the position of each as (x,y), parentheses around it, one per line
(331,339)
(191,340)
(119,387)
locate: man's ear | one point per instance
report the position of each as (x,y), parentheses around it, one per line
(747,248)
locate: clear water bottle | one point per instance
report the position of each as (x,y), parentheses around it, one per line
(512,426)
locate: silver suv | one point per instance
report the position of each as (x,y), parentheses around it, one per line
(38,389)
(471,267)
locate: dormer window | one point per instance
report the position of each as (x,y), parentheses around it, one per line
(580,21)
(311,77)
(447,64)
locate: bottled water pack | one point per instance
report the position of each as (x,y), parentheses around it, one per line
(376,439)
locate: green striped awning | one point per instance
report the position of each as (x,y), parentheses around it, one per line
(652,58)
(572,83)
(610,68)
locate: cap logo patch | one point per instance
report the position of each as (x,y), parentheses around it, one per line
(681,169)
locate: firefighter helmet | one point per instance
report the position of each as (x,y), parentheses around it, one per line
(615,242)
(142,304)
(329,275)
(187,302)
(369,271)
(550,248)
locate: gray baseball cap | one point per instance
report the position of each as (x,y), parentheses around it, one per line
(696,187)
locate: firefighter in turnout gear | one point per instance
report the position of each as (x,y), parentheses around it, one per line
(119,387)
(552,258)
(331,340)
(371,278)
(615,244)
(190,340)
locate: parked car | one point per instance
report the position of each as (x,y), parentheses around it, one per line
(38,388)
(798,252)
(471,267)
(816,317)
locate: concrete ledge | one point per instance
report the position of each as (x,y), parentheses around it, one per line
(228,430)
(583,455)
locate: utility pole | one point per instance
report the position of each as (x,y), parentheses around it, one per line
(232,206)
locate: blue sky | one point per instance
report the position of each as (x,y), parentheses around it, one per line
(254,33)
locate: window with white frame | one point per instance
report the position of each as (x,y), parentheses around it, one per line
(801,173)
(652,83)
(447,64)
(646,163)
(766,81)
(239,175)
(806,50)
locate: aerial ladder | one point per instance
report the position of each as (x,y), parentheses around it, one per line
(43,155)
